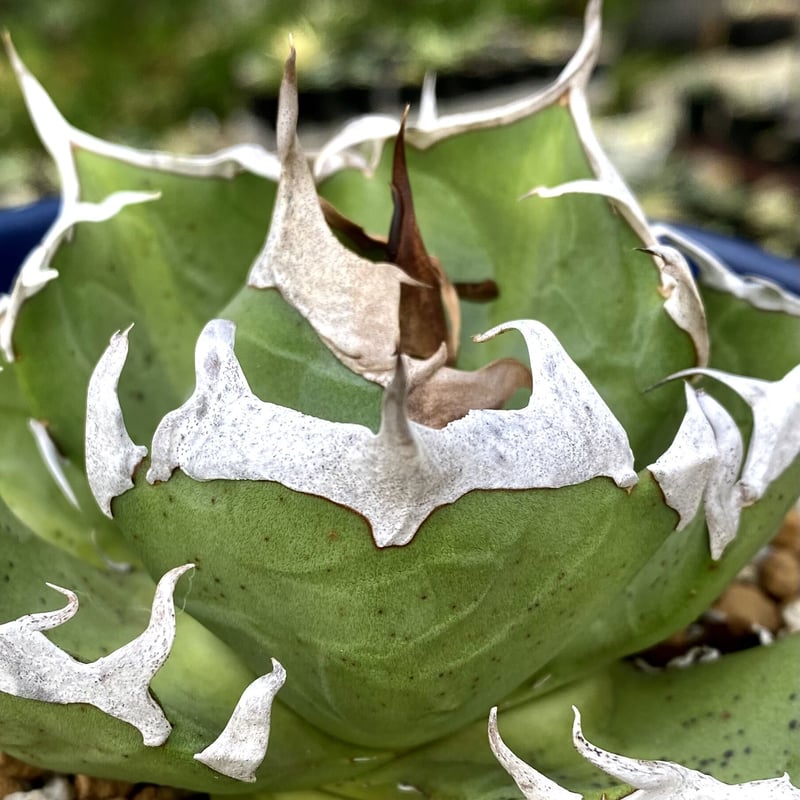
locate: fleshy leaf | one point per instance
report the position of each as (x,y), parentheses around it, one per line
(33,667)
(113,610)
(654,780)
(675,587)
(239,750)
(662,780)
(168,266)
(399,476)
(735,718)
(45,490)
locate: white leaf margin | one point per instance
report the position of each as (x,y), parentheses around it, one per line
(53,460)
(702,466)
(652,780)
(241,747)
(775,441)
(61,139)
(396,478)
(111,455)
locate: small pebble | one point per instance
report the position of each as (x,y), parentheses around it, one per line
(745,605)
(57,788)
(89,788)
(780,574)
(788,537)
(13,768)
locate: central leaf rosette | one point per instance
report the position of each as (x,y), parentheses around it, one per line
(409,577)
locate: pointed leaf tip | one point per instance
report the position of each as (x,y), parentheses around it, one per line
(241,747)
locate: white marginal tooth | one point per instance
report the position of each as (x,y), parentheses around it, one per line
(684,469)
(395,430)
(532,784)
(241,747)
(52,460)
(666,780)
(722,506)
(775,441)
(111,454)
(34,668)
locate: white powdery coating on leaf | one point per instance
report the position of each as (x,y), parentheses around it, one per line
(665,780)
(684,469)
(565,436)
(351,303)
(775,441)
(241,747)
(532,784)
(702,465)
(52,460)
(722,506)
(34,668)
(111,454)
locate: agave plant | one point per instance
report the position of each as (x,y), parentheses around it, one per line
(378,519)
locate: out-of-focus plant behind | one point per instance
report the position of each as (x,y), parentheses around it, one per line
(720,146)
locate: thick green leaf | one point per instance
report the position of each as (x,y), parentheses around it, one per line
(31,492)
(198,686)
(167,266)
(749,341)
(395,647)
(737,719)
(568,262)
(675,587)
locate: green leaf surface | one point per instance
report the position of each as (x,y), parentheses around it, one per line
(395,647)
(568,262)
(168,266)
(198,686)
(749,341)
(31,492)
(676,585)
(737,719)
(286,363)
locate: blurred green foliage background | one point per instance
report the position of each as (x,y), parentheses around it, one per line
(194,75)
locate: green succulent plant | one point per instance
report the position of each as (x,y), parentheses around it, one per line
(398,527)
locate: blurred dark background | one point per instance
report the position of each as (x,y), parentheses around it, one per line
(697,102)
